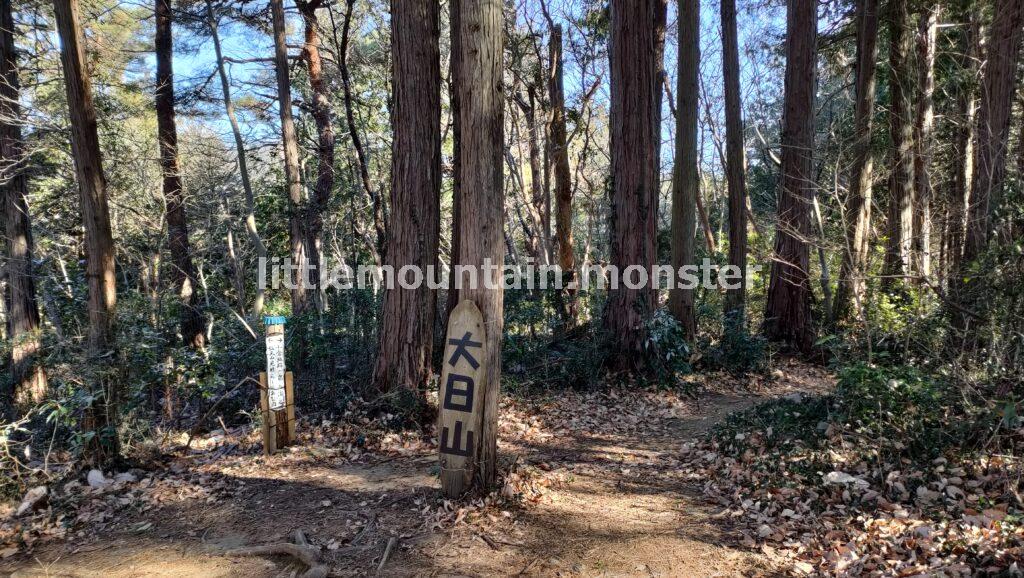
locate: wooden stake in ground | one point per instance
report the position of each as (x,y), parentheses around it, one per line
(277,397)
(461,397)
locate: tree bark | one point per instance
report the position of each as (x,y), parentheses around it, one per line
(377,246)
(660,29)
(454,62)
(251,228)
(634,195)
(993,130)
(788,311)
(183,272)
(850,289)
(960,185)
(407,317)
(539,198)
(735,299)
(101,416)
(923,140)
(325,142)
(290,146)
(482,195)
(28,377)
(901,130)
(686,175)
(563,180)
(1003,47)
(543,203)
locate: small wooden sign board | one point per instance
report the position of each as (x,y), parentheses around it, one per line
(277,395)
(461,397)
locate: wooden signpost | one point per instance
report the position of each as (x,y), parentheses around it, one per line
(461,398)
(277,397)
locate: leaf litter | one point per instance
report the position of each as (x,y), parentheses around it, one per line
(366,489)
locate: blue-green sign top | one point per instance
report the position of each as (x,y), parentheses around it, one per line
(274,320)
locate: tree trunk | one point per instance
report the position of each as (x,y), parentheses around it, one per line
(243,167)
(788,311)
(183,272)
(735,299)
(325,142)
(377,246)
(1003,47)
(539,203)
(634,211)
(101,416)
(923,140)
(901,130)
(480,38)
(454,62)
(563,182)
(28,378)
(993,130)
(407,317)
(686,175)
(290,145)
(960,184)
(850,290)
(660,29)
(543,203)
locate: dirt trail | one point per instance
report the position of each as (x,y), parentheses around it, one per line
(603,497)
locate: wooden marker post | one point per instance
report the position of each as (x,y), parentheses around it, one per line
(277,397)
(461,399)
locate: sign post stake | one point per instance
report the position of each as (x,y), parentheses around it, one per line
(277,397)
(459,426)
(269,421)
(289,393)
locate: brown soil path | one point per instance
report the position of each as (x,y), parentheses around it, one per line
(599,494)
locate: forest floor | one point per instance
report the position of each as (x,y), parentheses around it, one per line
(594,484)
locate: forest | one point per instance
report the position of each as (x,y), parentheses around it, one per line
(512,287)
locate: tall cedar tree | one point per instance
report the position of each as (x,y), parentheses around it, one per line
(183,272)
(959,190)
(28,378)
(634,194)
(993,131)
(660,29)
(850,290)
(735,299)
(924,140)
(290,145)
(101,416)
(900,225)
(321,197)
(686,176)
(999,72)
(407,317)
(454,60)
(482,195)
(788,311)
(563,182)
(537,243)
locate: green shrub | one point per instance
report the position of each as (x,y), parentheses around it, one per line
(667,347)
(574,361)
(738,351)
(887,414)
(899,409)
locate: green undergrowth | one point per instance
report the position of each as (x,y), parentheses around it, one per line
(879,418)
